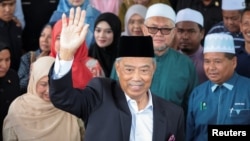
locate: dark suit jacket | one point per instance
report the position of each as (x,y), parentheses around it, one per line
(103,107)
(12,35)
(35,20)
(9,90)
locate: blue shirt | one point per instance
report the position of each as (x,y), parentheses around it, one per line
(243,62)
(19,13)
(210,103)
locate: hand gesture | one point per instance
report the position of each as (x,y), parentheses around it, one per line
(73,33)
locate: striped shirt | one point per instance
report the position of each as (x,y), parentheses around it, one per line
(220,28)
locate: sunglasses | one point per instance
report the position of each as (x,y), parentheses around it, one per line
(154,30)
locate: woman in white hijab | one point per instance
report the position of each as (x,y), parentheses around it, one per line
(134,19)
(32,117)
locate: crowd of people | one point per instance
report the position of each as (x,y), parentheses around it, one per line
(129,70)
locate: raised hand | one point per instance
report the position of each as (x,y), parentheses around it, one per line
(73,33)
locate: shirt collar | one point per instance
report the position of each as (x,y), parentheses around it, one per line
(229,84)
(226,85)
(198,53)
(150,103)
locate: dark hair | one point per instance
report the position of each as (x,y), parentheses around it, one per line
(51,24)
(4,45)
(247,9)
(200,27)
(229,56)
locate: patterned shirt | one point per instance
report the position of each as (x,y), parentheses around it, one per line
(220,28)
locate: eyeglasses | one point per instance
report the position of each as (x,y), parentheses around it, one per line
(154,30)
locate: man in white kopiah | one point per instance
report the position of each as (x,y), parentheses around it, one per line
(189,34)
(231,12)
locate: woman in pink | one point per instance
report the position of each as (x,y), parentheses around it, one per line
(107,5)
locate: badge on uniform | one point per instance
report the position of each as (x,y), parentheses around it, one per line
(203,105)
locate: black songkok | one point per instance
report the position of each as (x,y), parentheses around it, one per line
(136,46)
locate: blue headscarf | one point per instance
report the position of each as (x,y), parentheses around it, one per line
(91,15)
(64,5)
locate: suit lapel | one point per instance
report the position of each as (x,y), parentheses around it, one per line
(159,128)
(125,115)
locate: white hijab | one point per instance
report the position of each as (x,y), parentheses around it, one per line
(134,9)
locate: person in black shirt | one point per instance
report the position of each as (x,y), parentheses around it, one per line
(9,82)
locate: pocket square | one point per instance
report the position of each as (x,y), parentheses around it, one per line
(171,138)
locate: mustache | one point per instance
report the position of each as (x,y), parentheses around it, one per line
(136,83)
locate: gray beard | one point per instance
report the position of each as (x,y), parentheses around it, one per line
(161,48)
